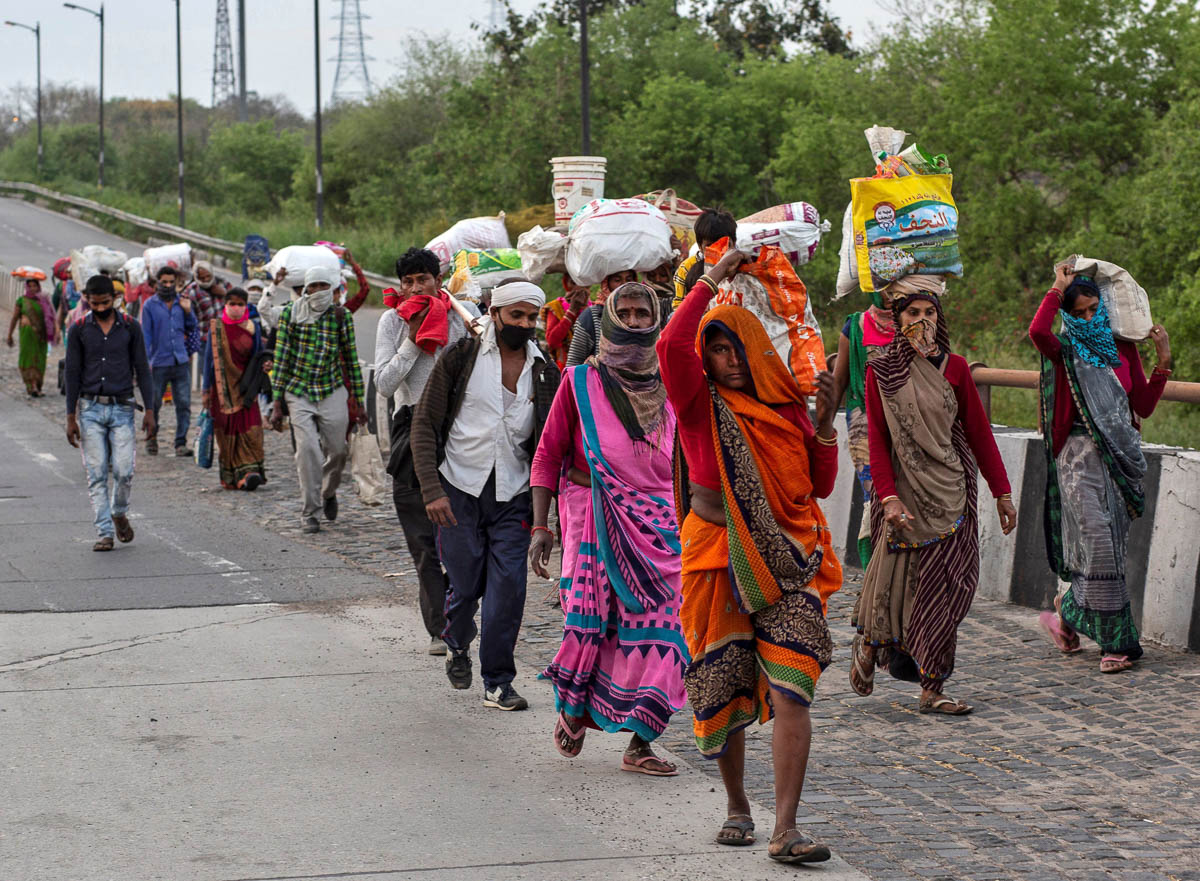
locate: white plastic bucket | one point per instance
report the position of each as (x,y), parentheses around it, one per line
(577,181)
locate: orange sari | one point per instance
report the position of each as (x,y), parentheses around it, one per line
(755,589)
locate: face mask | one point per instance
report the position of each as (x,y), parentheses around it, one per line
(321,300)
(922,334)
(235,313)
(103,316)
(514,337)
(166,292)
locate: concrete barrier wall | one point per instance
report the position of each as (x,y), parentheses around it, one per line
(1163,564)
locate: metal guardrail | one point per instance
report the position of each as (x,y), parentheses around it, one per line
(986,377)
(157,227)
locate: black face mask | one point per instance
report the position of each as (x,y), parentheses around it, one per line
(514,337)
(167,293)
(103,316)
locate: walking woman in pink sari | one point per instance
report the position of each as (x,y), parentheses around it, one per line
(606,452)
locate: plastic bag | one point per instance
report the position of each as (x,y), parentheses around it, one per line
(474,232)
(366,467)
(541,250)
(914,214)
(203,450)
(256,254)
(770,289)
(847,280)
(93,260)
(614,235)
(1126,300)
(477,271)
(794,228)
(298,259)
(179,256)
(680,213)
(135,271)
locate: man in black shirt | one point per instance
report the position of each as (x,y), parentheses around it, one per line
(104,352)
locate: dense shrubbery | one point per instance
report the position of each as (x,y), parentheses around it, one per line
(1071,126)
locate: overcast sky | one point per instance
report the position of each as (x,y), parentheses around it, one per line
(140,41)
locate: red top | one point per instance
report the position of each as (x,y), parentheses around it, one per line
(687,387)
(1143,393)
(970,414)
(364,288)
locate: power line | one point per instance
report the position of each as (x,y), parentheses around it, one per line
(224,85)
(351,82)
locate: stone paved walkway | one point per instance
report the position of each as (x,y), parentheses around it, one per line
(1060,773)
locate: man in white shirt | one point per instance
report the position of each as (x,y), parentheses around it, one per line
(402,368)
(473,436)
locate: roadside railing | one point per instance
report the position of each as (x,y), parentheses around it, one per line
(157,228)
(988,377)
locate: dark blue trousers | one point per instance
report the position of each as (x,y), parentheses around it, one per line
(485,557)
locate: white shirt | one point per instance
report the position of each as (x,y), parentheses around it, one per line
(486,436)
(402,367)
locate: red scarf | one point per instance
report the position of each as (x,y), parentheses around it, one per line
(435,328)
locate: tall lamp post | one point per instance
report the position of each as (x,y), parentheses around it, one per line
(100,16)
(37,33)
(317,71)
(179,106)
(241,14)
(585,78)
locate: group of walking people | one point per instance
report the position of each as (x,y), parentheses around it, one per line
(686,467)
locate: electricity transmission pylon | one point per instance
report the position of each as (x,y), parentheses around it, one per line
(351,82)
(224,85)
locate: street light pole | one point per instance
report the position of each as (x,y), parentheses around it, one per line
(37,33)
(99,15)
(179,106)
(585,78)
(243,114)
(317,71)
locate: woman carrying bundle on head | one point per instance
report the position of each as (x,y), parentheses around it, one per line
(34,316)
(928,430)
(1090,384)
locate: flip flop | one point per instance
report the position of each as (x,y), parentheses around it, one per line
(944,706)
(1115,664)
(745,828)
(568,742)
(811,853)
(1067,643)
(639,766)
(862,672)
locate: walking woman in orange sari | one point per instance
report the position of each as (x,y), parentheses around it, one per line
(758,561)
(233,377)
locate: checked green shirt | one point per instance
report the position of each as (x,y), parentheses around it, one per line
(309,357)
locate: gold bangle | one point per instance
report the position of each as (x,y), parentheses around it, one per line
(889,499)
(1004,497)
(831,442)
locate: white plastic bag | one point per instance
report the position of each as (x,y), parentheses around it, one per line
(614,235)
(795,229)
(474,232)
(94,259)
(540,249)
(298,259)
(1126,300)
(179,256)
(135,271)
(366,467)
(847,280)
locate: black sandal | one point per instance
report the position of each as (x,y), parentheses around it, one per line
(744,827)
(812,852)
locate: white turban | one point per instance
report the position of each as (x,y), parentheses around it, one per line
(327,274)
(518,292)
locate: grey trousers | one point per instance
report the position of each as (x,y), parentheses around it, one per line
(321,448)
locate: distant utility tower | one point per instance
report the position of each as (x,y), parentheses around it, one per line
(495,14)
(224,83)
(351,82)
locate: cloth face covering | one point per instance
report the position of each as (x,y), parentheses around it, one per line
(628,365)
(1093,340)
(230,319)
(434,332)
(922,335)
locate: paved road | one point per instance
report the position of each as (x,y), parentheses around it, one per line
(31,234)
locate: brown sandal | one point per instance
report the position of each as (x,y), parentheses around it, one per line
(862,670)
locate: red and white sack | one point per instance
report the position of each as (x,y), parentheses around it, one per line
(477,233)
(615,235)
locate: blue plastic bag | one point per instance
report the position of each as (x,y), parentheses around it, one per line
(204,441)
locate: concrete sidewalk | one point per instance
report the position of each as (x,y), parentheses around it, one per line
(271,742)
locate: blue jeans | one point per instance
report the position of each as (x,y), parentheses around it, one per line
(485,559)
(107,439)
(180,378)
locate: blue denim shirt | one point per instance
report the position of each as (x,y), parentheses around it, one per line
(165,329)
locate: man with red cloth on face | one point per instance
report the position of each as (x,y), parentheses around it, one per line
(417,326)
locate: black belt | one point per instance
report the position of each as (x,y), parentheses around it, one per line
(110,399)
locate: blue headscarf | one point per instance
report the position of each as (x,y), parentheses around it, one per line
(1093,340)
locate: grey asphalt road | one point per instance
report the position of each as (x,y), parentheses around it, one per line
(31,234)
